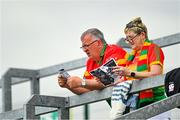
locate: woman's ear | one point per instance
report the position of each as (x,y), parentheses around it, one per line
(143,34)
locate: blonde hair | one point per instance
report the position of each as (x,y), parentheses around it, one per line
(136,26)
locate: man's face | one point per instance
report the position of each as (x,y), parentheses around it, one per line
(90,46)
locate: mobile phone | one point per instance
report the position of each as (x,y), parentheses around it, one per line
(64,73)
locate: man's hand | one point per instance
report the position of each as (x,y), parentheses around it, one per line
(62,81)
(100,83)
(74,82)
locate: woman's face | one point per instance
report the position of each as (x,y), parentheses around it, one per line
(135,40)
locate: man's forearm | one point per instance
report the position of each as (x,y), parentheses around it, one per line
(94,85)
(79,90)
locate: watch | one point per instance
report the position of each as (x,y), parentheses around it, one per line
(133,74)
(83,83)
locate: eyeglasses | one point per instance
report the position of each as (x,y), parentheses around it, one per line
(130,40)
(86,46)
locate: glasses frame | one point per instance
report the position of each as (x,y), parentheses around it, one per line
(130,40)
(86,46)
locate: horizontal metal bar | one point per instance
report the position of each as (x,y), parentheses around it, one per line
(43,101)
(46,101)
(19,75)
(162,42)
(168,40)
(44,110)
(90,97)
(13,114)
(147,83)
(18,113)
(98,95)
(154,109)
(16,81)
(71,65)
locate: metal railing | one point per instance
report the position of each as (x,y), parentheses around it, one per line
(77,100)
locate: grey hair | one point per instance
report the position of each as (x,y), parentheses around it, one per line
(95,32)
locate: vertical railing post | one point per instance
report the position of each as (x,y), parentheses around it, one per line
(63,114)
(35,86)
(86,112)
(6,93)
(29,112)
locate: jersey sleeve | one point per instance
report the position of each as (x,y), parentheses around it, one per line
(155,55)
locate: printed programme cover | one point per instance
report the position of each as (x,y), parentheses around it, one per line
(104,73)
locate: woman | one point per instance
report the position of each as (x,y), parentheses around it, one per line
(145,60)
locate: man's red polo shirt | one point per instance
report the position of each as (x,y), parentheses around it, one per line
(112,51)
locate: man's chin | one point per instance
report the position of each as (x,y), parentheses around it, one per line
(89,56)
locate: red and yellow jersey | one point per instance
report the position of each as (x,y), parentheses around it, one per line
(141,61)
(154,56)
(112,51)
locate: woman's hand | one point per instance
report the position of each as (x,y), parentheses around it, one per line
(122,71)
(121,79)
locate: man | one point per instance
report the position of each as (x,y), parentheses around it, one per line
(98,52)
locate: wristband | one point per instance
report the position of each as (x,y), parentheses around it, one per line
(83,83)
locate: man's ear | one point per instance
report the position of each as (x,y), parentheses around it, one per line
(100,42)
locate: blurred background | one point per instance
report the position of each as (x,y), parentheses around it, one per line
(41,33)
